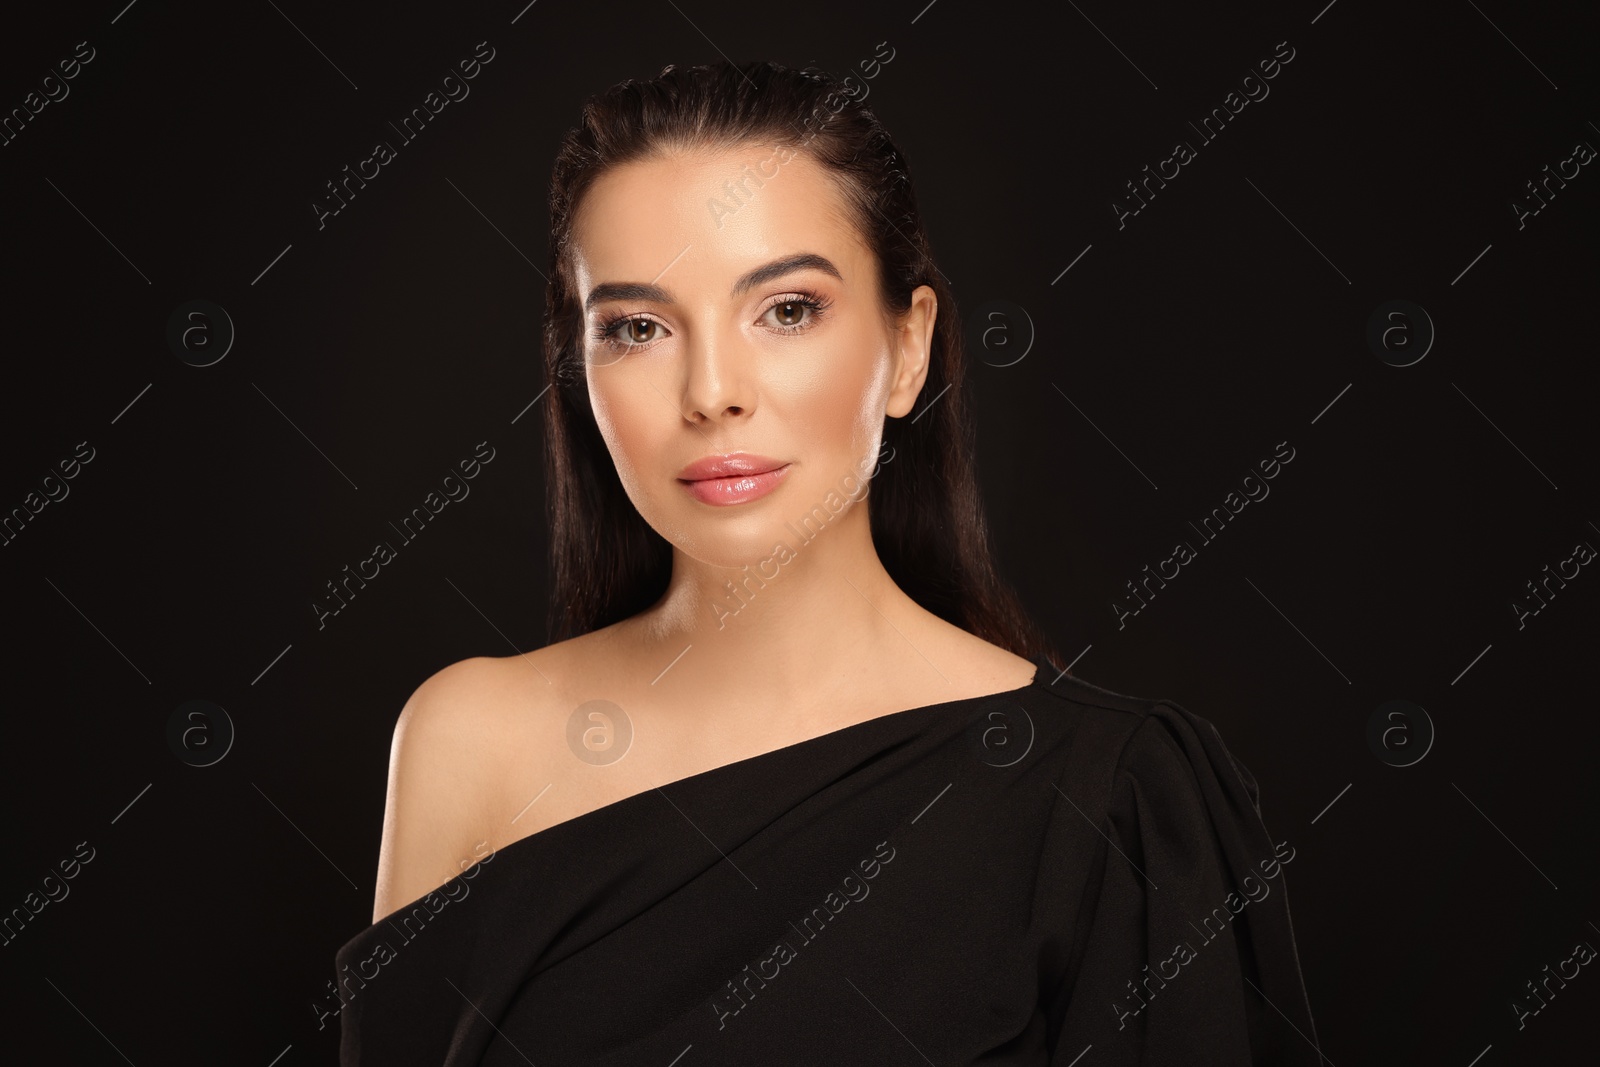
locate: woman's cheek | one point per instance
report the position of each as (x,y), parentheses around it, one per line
(618,421)
(803,384)
(838,389)
(861,401)
(600,404)
(874,399)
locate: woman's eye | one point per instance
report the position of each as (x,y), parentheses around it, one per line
(786,316)
(790,313)
(629,333)
(639,331)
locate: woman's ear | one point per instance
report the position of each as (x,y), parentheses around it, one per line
(913,346)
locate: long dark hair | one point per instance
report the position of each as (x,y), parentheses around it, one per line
(925,512)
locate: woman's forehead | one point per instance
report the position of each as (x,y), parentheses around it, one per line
(712,214)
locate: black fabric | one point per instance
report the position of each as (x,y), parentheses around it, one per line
(1031,877)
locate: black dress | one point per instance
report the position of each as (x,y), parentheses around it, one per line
(1057,875)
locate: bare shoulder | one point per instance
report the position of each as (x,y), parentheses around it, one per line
(448,760)
(975,665)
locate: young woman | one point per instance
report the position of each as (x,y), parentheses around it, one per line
(798,782)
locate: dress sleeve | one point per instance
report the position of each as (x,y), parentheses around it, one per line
(1182,949)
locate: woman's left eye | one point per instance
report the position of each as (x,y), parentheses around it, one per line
(794,313)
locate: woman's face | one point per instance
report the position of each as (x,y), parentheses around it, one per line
(730,307)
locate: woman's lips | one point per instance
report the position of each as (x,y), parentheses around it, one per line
(729,465)
(734,488)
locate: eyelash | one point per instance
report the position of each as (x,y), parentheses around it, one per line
(814,302)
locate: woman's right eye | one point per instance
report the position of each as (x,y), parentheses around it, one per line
(629,332)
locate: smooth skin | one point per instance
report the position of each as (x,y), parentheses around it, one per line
(480,756)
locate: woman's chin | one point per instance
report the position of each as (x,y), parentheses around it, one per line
(762,548)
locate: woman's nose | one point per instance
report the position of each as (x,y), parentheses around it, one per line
(718,376)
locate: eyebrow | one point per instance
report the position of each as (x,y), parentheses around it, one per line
(764,273)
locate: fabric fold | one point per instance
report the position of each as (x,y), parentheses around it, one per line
(989,880)
(1186,944)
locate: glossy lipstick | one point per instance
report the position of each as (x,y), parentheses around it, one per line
(736,478)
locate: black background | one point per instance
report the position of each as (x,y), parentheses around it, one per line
(1224,318)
